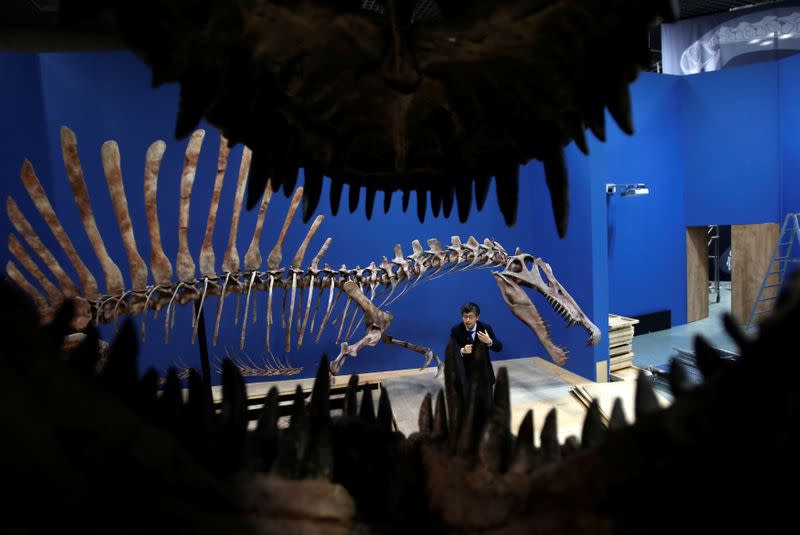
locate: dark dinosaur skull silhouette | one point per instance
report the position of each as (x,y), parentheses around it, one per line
(433,97)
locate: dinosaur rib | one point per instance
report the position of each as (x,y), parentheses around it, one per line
(72,164)
(159,263)
(23,226)
(45,209)
(184,265)
(54,295)
(19,279)
(207,259)
(252,258)
(111,166)
(230,262)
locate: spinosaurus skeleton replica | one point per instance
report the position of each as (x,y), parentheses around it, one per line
(387,281)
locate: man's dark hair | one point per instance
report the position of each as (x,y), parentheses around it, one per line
(466,308)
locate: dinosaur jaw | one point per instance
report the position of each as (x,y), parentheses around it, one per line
(523,308)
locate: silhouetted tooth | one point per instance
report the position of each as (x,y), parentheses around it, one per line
(406,199)
(387,200)
(385,416)
(84,358)
(267,430)
(425,419)
(646,400)
(596,121)
(120,373)
(477,410)
(312,189)
(448,198)
(580,139)
(617,418)
(481,191)
(436,200)
(170,402)
(192,106)
(594,432)
(336,195)
(369,202)
(619,106)
(440,418)
(320,393)
(352,197)
(735,332)
(495,445)
(421,204)
(351,397)
(258,176)
(298,414)
(570,446)
(367,412)
(678,380)
(549,437)
(522,458)
(234,418)
(454,390)
(464,199)
(507,184)
(288,178)
(555,170)
(709,360)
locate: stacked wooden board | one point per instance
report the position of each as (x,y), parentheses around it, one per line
(620,341)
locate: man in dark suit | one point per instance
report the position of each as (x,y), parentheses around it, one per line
(471,333)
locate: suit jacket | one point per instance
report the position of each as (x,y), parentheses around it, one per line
(462,338)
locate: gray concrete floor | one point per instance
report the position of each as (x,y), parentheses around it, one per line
(656,348)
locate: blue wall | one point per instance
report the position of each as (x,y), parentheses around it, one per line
(730,145)
(23,119)
(789,128)
(105,96)
(646,242)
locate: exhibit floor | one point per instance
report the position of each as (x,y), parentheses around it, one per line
(657,348)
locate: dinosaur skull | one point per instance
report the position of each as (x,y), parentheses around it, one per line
(524,269)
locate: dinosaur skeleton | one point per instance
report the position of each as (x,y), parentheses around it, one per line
(367,290)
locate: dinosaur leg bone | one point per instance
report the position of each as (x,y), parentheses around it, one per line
(426,351)
(377,321)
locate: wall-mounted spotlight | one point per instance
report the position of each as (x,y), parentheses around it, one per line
(627,190)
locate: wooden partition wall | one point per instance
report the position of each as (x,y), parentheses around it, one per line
(696,273)
(751,250)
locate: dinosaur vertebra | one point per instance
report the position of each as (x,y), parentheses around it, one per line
(367,289)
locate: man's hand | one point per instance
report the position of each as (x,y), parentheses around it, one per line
(484,337)
(467,349)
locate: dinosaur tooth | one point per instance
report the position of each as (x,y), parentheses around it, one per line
(678,379)
(464,199)
(619,106)
(421,203)
(385,416)
(192,106)
(84,358)
(735,332)
(335,195)
(507,184)
(436,200)
(367,411)
(481,190)
(448,197)
(571,445)
(266,433)
(352,197)
(287,176)
(170,402)
(387,200)
(351,397)
(425,419)
(709,360)
(406,199)
(454,390)
(548,437)
(596,121)
(120,372)
(522,458)
(617,418)
(594,432)
(579,137)
(646,400)
(477,410)
(369,201)
(320,393)
(495,444)
(440,418)
(555,170)
(312,189)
